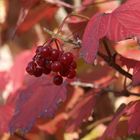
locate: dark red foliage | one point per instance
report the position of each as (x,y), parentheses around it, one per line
(116,26)
(81,111)
(6,113)
(17,72)
(28,3)
(77,26)
(3,80)
(129,116)
(95,30)
(29,18)
(136,74)
(39,97)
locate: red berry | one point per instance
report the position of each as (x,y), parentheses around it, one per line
(39,49)
(69,56)
(73,65)
(57,80)
(64,60)
(56,66)
(46,51)
(40,60)
(31,67)
(64,71)
(48,64)
(72,74)
(46,71)
(38,72)
(54,54)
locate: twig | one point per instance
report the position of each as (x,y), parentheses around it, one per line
(104,120)
(88,128)
(54,35)
(107,48)
(114,65)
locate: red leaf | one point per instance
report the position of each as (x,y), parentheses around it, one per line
(77,26)
(6,112)
(3,80)
(52,126)
(17,72)
(87,2)
(131,115)
(35,15)
(136,74)
(124,21)
(121,24)
(81,111)
(130,63)
(111,129)
(39,97)
(28,3)
(95,30)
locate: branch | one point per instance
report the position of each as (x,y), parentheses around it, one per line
(114,65)
(107,48)
(87,129)
(104,120)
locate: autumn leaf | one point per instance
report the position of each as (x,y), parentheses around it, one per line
(39,97)
(28,3)
(94,31)
(122,23)
(42,11)
(129,116)
(17,72)
(81,111)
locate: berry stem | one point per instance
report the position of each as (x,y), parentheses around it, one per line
(58,44)
(54,35)
(46,42)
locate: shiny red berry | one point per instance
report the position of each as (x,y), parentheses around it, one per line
(73,65)
(72,74)
(64,60)
(69,56)
(46,71)
(39,49)
(38,72)
(46,51)
(31,67)
(54,54)
(64,71)
(48,64)
(40,60)
(56,66)
(57,80)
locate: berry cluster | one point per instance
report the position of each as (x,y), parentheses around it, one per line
(48,59)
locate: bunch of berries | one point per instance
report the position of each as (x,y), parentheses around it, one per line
(48,59)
